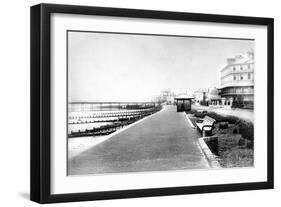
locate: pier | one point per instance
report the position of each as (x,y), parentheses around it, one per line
(163,141)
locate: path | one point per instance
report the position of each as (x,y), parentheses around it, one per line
(164,141)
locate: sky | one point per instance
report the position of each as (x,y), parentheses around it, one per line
(128,67)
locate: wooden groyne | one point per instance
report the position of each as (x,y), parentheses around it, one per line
(115,120)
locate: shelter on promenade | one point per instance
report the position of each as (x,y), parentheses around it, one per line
(183,103)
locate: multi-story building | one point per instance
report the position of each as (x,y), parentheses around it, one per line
(167,96)
(200,96)
(208,96)
(237,82)
(214,97)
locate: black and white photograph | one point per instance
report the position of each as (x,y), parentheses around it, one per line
(149,102)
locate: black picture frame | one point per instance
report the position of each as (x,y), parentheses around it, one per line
(41,102)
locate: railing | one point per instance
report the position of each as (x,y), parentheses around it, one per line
(237,83)
(100,106)
(223,75)
(236,93)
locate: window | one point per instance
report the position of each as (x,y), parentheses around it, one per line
(241,77)
(241,67)
(234,77)
(234,68)
(249,76)
(249,66)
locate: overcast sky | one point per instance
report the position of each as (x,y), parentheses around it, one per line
(122,67)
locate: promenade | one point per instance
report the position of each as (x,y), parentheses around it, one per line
(163,141)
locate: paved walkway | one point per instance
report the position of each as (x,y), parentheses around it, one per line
(164,141)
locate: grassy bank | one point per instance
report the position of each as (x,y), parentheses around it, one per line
(235,139)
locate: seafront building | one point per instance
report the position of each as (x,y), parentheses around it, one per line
(237,82)
(167,96)
(209,96)
(214,97)
(200,96)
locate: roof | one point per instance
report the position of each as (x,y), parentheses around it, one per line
(238,60)
(243,59)
(184,96)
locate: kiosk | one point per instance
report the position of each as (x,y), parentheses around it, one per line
(183,103)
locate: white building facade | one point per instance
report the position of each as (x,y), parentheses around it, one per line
(237,82)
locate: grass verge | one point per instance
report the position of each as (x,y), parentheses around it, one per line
(235,139)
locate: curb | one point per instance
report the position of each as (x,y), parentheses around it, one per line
(190,122)
(212,159)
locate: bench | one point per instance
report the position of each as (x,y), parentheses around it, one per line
(206,125)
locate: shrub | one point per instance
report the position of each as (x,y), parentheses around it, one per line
(246,129)
(217,117)
(250,144)
(232,119)
(191,112)
(241,142)
(220,118)
(213,145)
(235,131)
(223,125)
(199,115)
